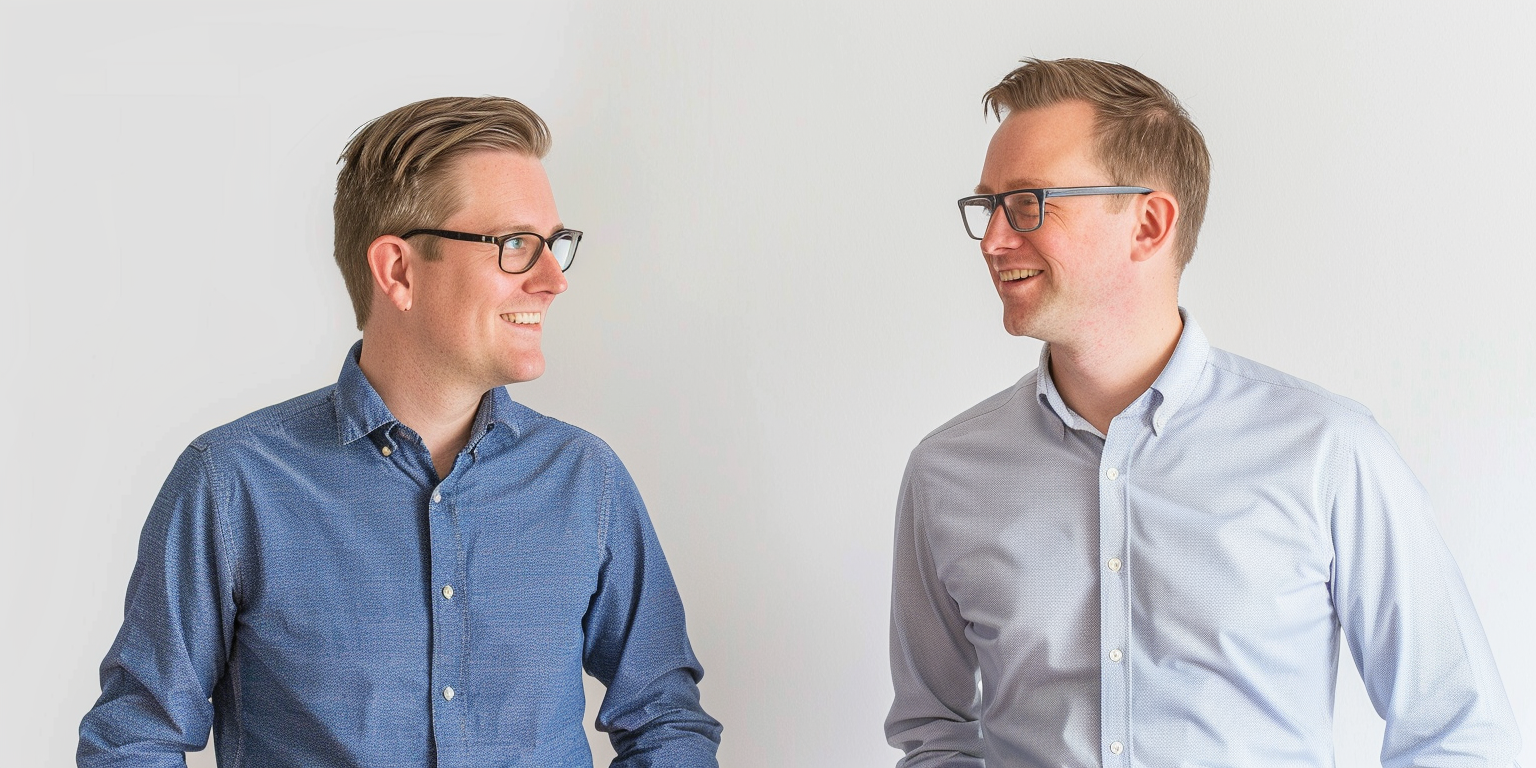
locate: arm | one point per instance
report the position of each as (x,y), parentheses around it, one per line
(637,645)
(178,621)
(1408,619)
(936,716)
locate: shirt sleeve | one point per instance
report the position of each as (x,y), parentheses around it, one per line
(935,718)
(637,645)
(178,622)
(1408,619)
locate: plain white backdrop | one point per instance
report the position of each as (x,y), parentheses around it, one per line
(775,299)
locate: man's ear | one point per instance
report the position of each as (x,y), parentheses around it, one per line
(1157,214)
(390,260)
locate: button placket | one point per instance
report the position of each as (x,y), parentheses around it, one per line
(449,640)
(1114,591)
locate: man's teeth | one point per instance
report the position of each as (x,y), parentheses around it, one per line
(524,318)
(1017,274)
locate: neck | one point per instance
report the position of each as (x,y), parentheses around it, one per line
(1100,376)
(434,407)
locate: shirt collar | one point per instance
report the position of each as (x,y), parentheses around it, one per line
(360,411)
(495,408)
(1173,386)
(1182,373)
(1050,398)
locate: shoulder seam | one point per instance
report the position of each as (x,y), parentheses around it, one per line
(941,430)
(254,422)
(1323,395)
(329,399)
(605,507)
(220,501)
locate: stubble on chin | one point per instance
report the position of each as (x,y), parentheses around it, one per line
(1022,320)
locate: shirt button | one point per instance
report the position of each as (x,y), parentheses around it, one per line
(1115,655)
(386,450)
(448,591)
(448,692)
(1113,473)
(1114,563)
(437,496)
(1115,747)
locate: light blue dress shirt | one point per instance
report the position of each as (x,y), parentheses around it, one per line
(1173,593)
(344,606)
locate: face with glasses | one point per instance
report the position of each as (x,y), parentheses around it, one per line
(1058,236)
(476,311)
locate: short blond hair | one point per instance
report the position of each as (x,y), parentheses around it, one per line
(1143,134)
(395,174)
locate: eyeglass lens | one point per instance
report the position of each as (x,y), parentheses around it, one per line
(1022,209)
(563,247)
(518,253)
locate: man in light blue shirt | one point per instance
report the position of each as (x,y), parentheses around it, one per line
(1146,552)
(407,568)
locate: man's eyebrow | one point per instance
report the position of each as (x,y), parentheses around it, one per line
(982,189)
(510,228)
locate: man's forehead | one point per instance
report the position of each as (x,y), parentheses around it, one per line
(1041,147)
(502,192)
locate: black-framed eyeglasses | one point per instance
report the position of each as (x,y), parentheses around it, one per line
(518,252)
(1025,208)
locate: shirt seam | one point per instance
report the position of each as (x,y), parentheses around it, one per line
(605,510)
(941,430)
(1320,396)
(220,488)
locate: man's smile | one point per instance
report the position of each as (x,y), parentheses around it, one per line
(524,318)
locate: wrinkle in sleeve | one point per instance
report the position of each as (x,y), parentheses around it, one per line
(178,622)
(1408,619)
(935,718)
(637,645)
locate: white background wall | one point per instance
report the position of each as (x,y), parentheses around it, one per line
(775,299)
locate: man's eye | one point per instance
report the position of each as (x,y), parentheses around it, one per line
(515,243)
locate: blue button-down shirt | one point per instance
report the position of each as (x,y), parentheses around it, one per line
(306,569)
(1173,592)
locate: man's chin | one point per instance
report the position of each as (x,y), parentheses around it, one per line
(1020,323)
(523,368)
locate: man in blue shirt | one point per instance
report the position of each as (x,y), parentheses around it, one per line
(1146,552)
(407,568)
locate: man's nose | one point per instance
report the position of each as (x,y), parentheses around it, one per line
(546,275)
(1000,236)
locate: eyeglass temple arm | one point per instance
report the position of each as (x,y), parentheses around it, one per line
(1082,191)
(451,235)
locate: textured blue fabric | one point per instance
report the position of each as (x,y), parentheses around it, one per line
(293,568)
(1173,592)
